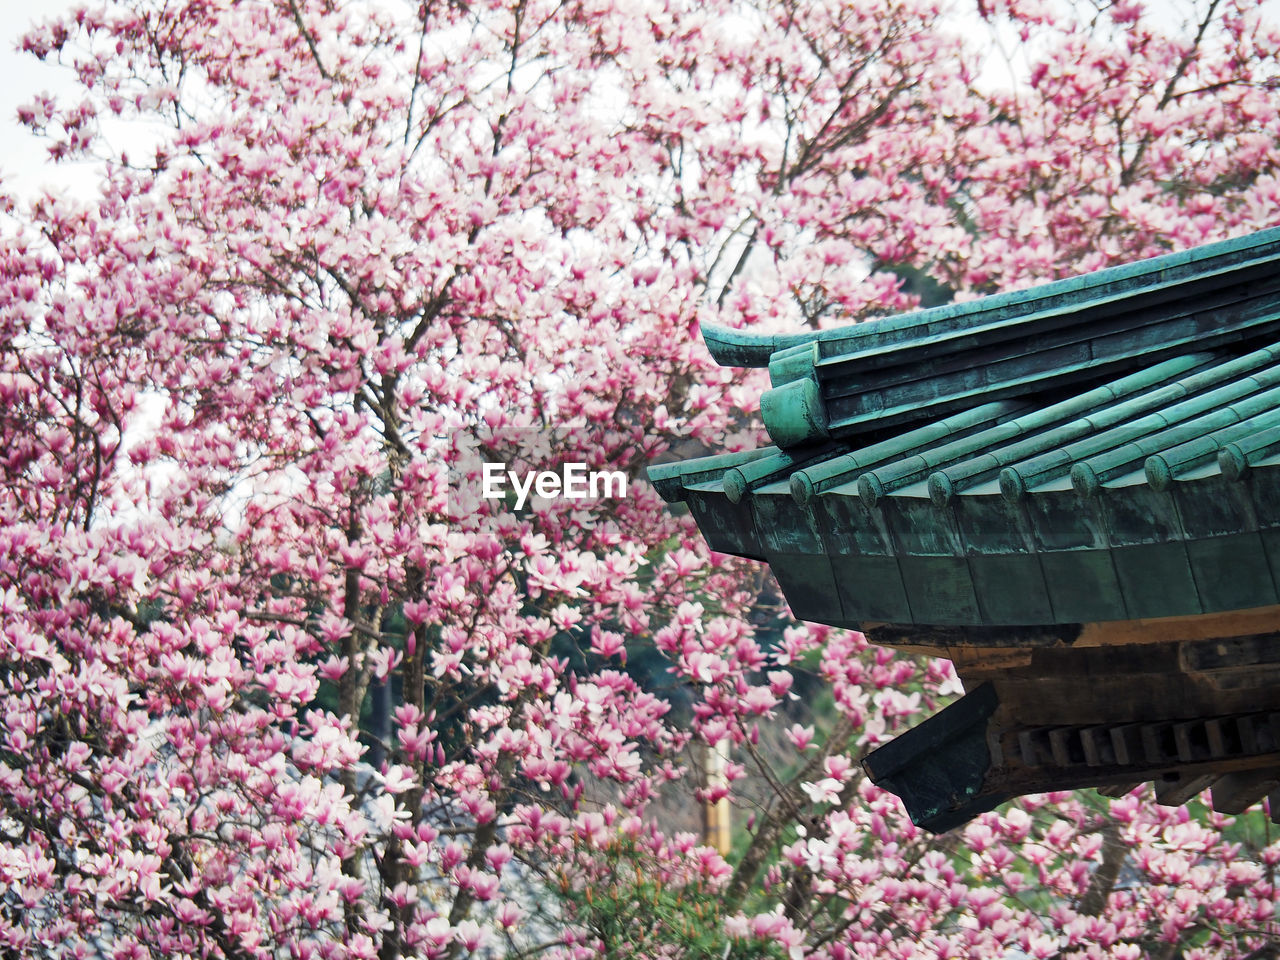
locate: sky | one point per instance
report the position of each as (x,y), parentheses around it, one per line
(23,157)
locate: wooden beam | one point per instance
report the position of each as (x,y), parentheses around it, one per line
(938,640)
(1204,626)
(1237,792)
(1174,793)
(983,642)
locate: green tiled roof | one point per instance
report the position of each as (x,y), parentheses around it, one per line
(1100,448)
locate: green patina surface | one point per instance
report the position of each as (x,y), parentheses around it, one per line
(1100,448)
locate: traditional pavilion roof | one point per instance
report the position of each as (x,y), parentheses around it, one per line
(1072,491)
(1100,448)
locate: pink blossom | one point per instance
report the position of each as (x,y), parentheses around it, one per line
(247,384)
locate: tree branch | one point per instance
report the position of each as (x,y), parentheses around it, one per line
(306,35)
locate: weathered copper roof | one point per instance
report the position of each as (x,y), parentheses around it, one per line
(1100,448)
(1063,490)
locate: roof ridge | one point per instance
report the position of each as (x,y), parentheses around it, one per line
(743,348)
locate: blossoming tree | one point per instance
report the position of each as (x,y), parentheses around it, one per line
(364,239)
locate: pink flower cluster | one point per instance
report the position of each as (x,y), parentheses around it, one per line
(270,688)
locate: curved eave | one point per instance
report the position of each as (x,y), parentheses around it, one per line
(746,348)
(1206,544)
(1155,494)
(905,371)
(740,348)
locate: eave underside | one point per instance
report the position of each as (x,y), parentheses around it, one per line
(1185,715)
